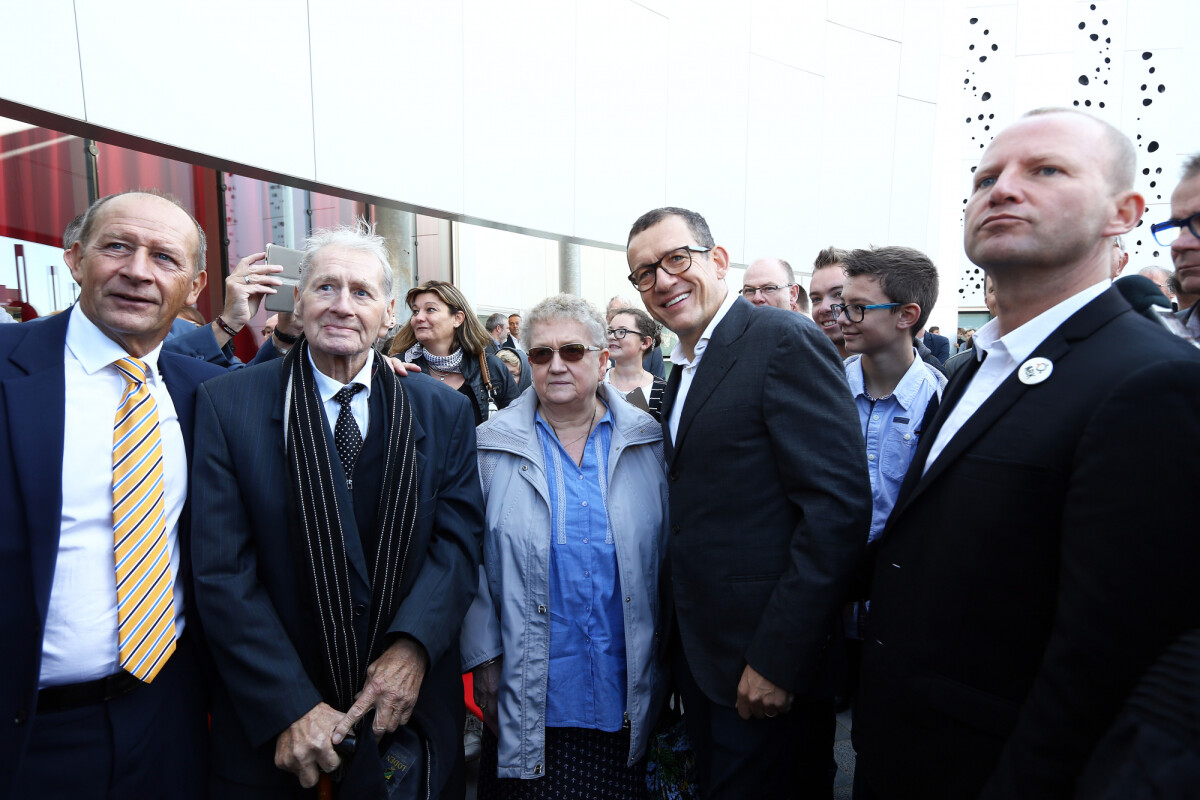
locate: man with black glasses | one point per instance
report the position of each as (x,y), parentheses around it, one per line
(769,511)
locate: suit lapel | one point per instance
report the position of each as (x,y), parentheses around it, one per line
(669,396)
(718,359)
(183,397)
(1055,347)
(36,423)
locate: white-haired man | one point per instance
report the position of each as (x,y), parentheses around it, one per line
(338,520)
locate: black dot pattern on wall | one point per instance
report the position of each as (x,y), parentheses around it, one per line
(1152,149)
(980,123)
(1095,96)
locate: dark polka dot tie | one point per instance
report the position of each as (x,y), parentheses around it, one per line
(346,434)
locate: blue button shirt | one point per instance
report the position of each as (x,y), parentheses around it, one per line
(587,678)
(891,426)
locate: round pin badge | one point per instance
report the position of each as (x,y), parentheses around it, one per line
(1035,370)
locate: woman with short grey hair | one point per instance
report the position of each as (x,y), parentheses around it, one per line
(563,636)
(566,308)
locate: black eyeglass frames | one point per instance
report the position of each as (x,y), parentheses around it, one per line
(857,313)
(673,263)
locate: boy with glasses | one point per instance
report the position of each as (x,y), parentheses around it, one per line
(887,295)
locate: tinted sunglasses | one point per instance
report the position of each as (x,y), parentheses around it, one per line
(568,352)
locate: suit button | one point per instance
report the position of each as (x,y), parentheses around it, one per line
(675,529)
(21,717)
(360,609)
(673,475)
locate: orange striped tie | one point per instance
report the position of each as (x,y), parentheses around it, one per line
(145,591)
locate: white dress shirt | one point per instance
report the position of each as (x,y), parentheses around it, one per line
(679,359)
(360,404)
(80,642)
(1004,355)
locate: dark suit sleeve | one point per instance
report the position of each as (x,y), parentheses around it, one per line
(202,343)
(816,441)
(433,610)
(268,352)
(653,362)
(1126,581)
(252,650)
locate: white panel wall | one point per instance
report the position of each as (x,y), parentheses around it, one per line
(160,70)
(781,213)
(620,121)
(519,112)
(791,124)
(387,79)
(707,104)
(857,148)
(39,60)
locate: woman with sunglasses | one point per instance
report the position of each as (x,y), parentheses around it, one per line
(632,334)
(445,339)
(563,636)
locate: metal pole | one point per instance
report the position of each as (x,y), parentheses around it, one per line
(568,268)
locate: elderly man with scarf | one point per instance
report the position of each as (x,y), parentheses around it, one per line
(337,517)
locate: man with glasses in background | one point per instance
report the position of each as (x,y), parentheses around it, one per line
(1181,233)
(771,282)
(769,512)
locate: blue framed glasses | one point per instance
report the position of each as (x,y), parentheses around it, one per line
(856,313)
(1165,233)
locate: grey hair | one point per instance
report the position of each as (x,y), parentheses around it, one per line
(1119,241)
(360,237)
(71,232)
(496,320)
(1191,168)
(566,308)
(1155,273)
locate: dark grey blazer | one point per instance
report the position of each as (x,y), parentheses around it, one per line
(1029,577)
(770,503)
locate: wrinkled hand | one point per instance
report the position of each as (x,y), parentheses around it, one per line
(487,690)
(306,748)
(242,299)
(401,368)
(393,682)
(757,697)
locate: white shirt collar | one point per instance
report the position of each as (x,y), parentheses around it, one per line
(95,351)
(677,354)
(1021,342)
(327,387)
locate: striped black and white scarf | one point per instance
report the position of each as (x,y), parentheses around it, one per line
(315,523)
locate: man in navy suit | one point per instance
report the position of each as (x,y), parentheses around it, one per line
(80,725)
(770,511)
(338,517)
(1021,586)
(938,345)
